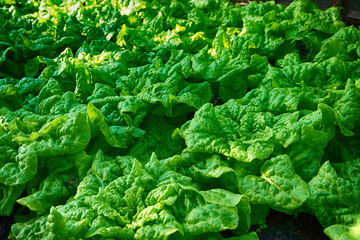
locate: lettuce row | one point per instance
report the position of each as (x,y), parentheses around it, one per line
(142,202)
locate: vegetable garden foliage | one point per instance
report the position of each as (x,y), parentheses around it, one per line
(176,119)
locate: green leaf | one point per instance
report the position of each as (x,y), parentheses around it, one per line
(112,232)
(195,95)
(317,129)
(343,232)
(61,183)
(211,218)
(278,185)
(64,135)
(28,85)
(52,192)
(334,200)
(347,108)
(212,167)
(56,225)
(232,85)
(24,169)
(103,171)
(157,139)
(218,130)
(229,199)
(116,136)
(31,67)
(8,197)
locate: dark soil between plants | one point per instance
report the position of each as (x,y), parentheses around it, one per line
(281,226)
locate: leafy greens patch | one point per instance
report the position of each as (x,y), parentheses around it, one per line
(176,119)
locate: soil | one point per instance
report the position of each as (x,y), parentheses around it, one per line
(5,225)
(281,226)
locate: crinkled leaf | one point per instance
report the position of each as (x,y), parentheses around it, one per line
(333,199)
(343,232)
(24,168)
(278,185)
